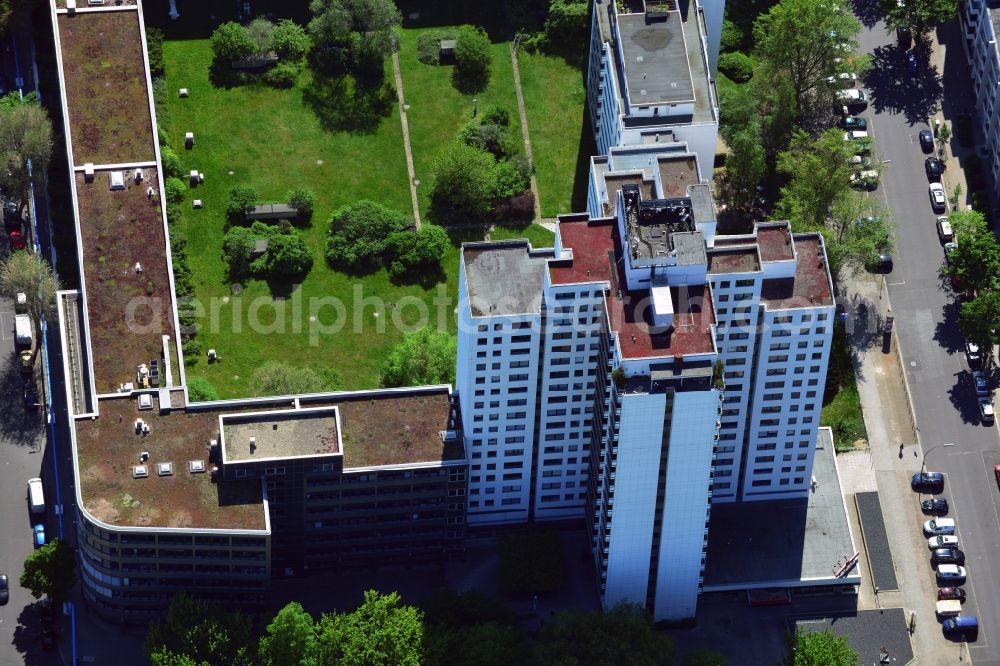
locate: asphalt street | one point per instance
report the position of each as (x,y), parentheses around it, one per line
(925,312)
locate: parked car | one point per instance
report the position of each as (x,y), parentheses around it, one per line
(4,590)
(972,352)
(38,532)
(939,201)
(881,264)
(854,123)
(938,505)
(951,572)
(944,230)
(949,252)
(16,240)
(904,36)
(943,541)
(963,624)
(865,180)
(980,381)
(844,80)
(926,140)
(927,481)
(986,411)
(870,219)
(940,526)
(934,168)
(855,135)
(956,593)
(852,98)
(911,62)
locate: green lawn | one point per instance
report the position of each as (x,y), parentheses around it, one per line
(841,404)
(561,140)
(273,141)
(539,236)
(438,110)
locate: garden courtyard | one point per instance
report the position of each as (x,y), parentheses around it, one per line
(277,139)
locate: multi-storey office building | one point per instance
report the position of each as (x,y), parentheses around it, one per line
(649,75)
(980,20)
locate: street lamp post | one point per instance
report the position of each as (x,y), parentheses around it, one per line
(923,462)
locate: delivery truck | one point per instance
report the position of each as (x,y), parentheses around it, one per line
(949,608)
(22,331)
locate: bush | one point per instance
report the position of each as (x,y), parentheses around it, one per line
(464,183)
(161,134)
(289,40)
(282,75)
(172,165)
(488,136)
(511,179)
(303,200)
(496,115)
(242,198)
(231,41)
(472,59)
(737,66)
(192,350)
(429,45)
(287,255)
(154,50)
(566,25)
(732,37)
(175,190)
(416,249)
(260,31)
(358,234)
(201,390)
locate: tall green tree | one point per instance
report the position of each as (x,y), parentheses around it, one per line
(290,639)
(25,137)
(50,570)
(382,631)
(464,183)
(354,34)
(231,41)
(201,632)
(857,233)
(423,357)
(746,165)
(975,263)
(818,172)
(621,635)
(979,320)
(472,59)
(359,232)
(412,250)
(800,39)
(289,40)
(920,16)
(822,648)
(31,275)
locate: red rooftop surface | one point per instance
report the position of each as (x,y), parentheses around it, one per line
(595,246)
(775,243)
(811,285)
(734,260)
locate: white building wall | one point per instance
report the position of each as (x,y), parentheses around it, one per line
(684,528)
(635,483)
(714,12)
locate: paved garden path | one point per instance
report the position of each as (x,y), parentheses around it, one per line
(523,114)
(406,138)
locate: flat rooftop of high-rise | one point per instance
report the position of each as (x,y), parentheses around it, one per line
(810,287)
(655,58)
(368,428)
(504,278)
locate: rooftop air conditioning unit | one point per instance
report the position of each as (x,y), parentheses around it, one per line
(145,401)
(116,180)
(196,466)
(165,469)
(140,471)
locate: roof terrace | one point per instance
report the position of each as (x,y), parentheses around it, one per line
(811,285)
(130,302)
(106,96)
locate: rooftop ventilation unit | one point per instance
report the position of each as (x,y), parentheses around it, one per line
(140,471)
(144,456)
(196,466)
(116,180)
(145,401)
(448,435)
(165,469)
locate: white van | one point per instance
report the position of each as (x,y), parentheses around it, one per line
(36,498)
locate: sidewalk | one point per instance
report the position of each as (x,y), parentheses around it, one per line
(883,393)
(954,70)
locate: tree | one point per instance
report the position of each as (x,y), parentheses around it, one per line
(472,59)
(31,275)
(856,234)
(242,200)
(174,189)
(238,249)
(287,256)
(303,200)
(290,638)
(277,378)
(943,136)
(491,137)
(484,644)
(260,32)
(25,136)
(172,165)
(621,635)
(746,165)
(975,262)
(50,570)
(423,357)
(421,248)
(358,234)
(920,16)
(231,41)
(199,632)
(818,172)
(511,177)
(201,390)
(979,320)
(382,631)
(464,183)
(801,38)
(289,40)
(822,648)
(353,33)
(704,658)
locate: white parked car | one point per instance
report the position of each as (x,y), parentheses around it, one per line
(943,541)
(951,572)
(938,199)
(844,80)
(855,135)
(944,230)
(940,526)
(986,410)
